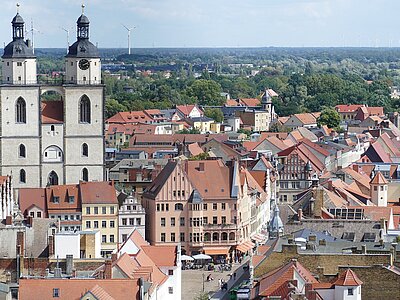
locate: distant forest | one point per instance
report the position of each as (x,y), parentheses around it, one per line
(306,79)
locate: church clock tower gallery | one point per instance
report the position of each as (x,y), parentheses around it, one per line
(51,142)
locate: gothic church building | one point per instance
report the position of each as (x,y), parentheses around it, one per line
(51,142)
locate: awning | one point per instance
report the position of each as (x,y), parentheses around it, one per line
(216,250)
(260,238)
(246,246)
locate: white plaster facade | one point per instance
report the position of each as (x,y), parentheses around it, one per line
(66,243)
(131,216)
(50,147)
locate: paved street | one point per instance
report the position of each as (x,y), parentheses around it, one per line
(192,282)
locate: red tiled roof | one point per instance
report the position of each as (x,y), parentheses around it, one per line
(306,118)
(342,108)
(163,256)
(348,278)
(213,182)
(63,192)
(250,102)
(186,109)
(52,112)
(195,149)
(98,192)
(73,289)
(379,179)
(31,196)
(129,117)
(375,111)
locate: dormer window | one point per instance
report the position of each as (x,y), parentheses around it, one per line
(71,199)
(56,199)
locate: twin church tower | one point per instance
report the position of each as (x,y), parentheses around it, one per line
(45,142)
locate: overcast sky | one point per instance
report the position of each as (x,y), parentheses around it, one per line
(213,23)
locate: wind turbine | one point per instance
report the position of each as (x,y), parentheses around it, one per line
(129,37)
(32,31)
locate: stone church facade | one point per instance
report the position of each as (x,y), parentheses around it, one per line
(51,142)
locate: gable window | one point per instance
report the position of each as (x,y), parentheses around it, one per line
(22,151)
(71,199)
(22,176)
(85,174)
(56,199)
(84,110)
(20,111)
(85,150)
(350,292)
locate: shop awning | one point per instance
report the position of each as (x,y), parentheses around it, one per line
(216,250)
(260,238)
(246,246)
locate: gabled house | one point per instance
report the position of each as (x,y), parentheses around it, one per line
(307,120)
(187,112)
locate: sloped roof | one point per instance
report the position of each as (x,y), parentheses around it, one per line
(52,112)
(98,192)
(214,182)
(379,179)
(343,108)
(100,293)
(271,282)
(73,289)
(377,111)
(161,179)
(195,149)
(31,196)
(63,192)
(162,256)
(348,278)
(250,102)
(186,109)
(129,117)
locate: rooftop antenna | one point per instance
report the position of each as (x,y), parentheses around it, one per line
(67,31)
(129,37)
(32,31)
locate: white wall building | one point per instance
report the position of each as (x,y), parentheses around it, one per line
(131,216)
(51,142)
(66,243)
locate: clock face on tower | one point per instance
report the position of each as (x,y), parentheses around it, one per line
(84,64)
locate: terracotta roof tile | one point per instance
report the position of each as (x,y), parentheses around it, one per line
(250,102)
(348,278)
(73,289)
(379,179)
(52,112)
(31,196)
(98,192)
(342,108)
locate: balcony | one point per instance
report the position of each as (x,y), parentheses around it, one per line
(220,227)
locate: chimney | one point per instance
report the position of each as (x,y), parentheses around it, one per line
(108,269)
(21,243)
(69,265)
(114,257)
(300,214)
(57,272)
(363,249)
(29,221)
(201,167)
(8,220)
(51,245)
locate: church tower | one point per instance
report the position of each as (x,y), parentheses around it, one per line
(19,62)
(84,109)
(19,111)
(83,60)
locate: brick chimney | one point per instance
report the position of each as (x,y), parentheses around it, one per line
(8,220)
(300,214)
(51,245)
(21,243)
(108,269)
(114,257)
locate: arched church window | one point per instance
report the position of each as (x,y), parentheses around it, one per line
(53,178)
(22,176)
(20,111)
(84,110)
(22,151)
(85,150)
(85,174)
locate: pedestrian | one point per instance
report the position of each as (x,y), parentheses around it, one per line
(234,276)
(219,282)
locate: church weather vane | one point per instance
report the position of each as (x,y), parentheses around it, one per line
(18,8)
(83,7)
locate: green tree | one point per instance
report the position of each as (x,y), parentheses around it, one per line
(215,114)
(189,131)
(206,92)
(329,117)
(112,107)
